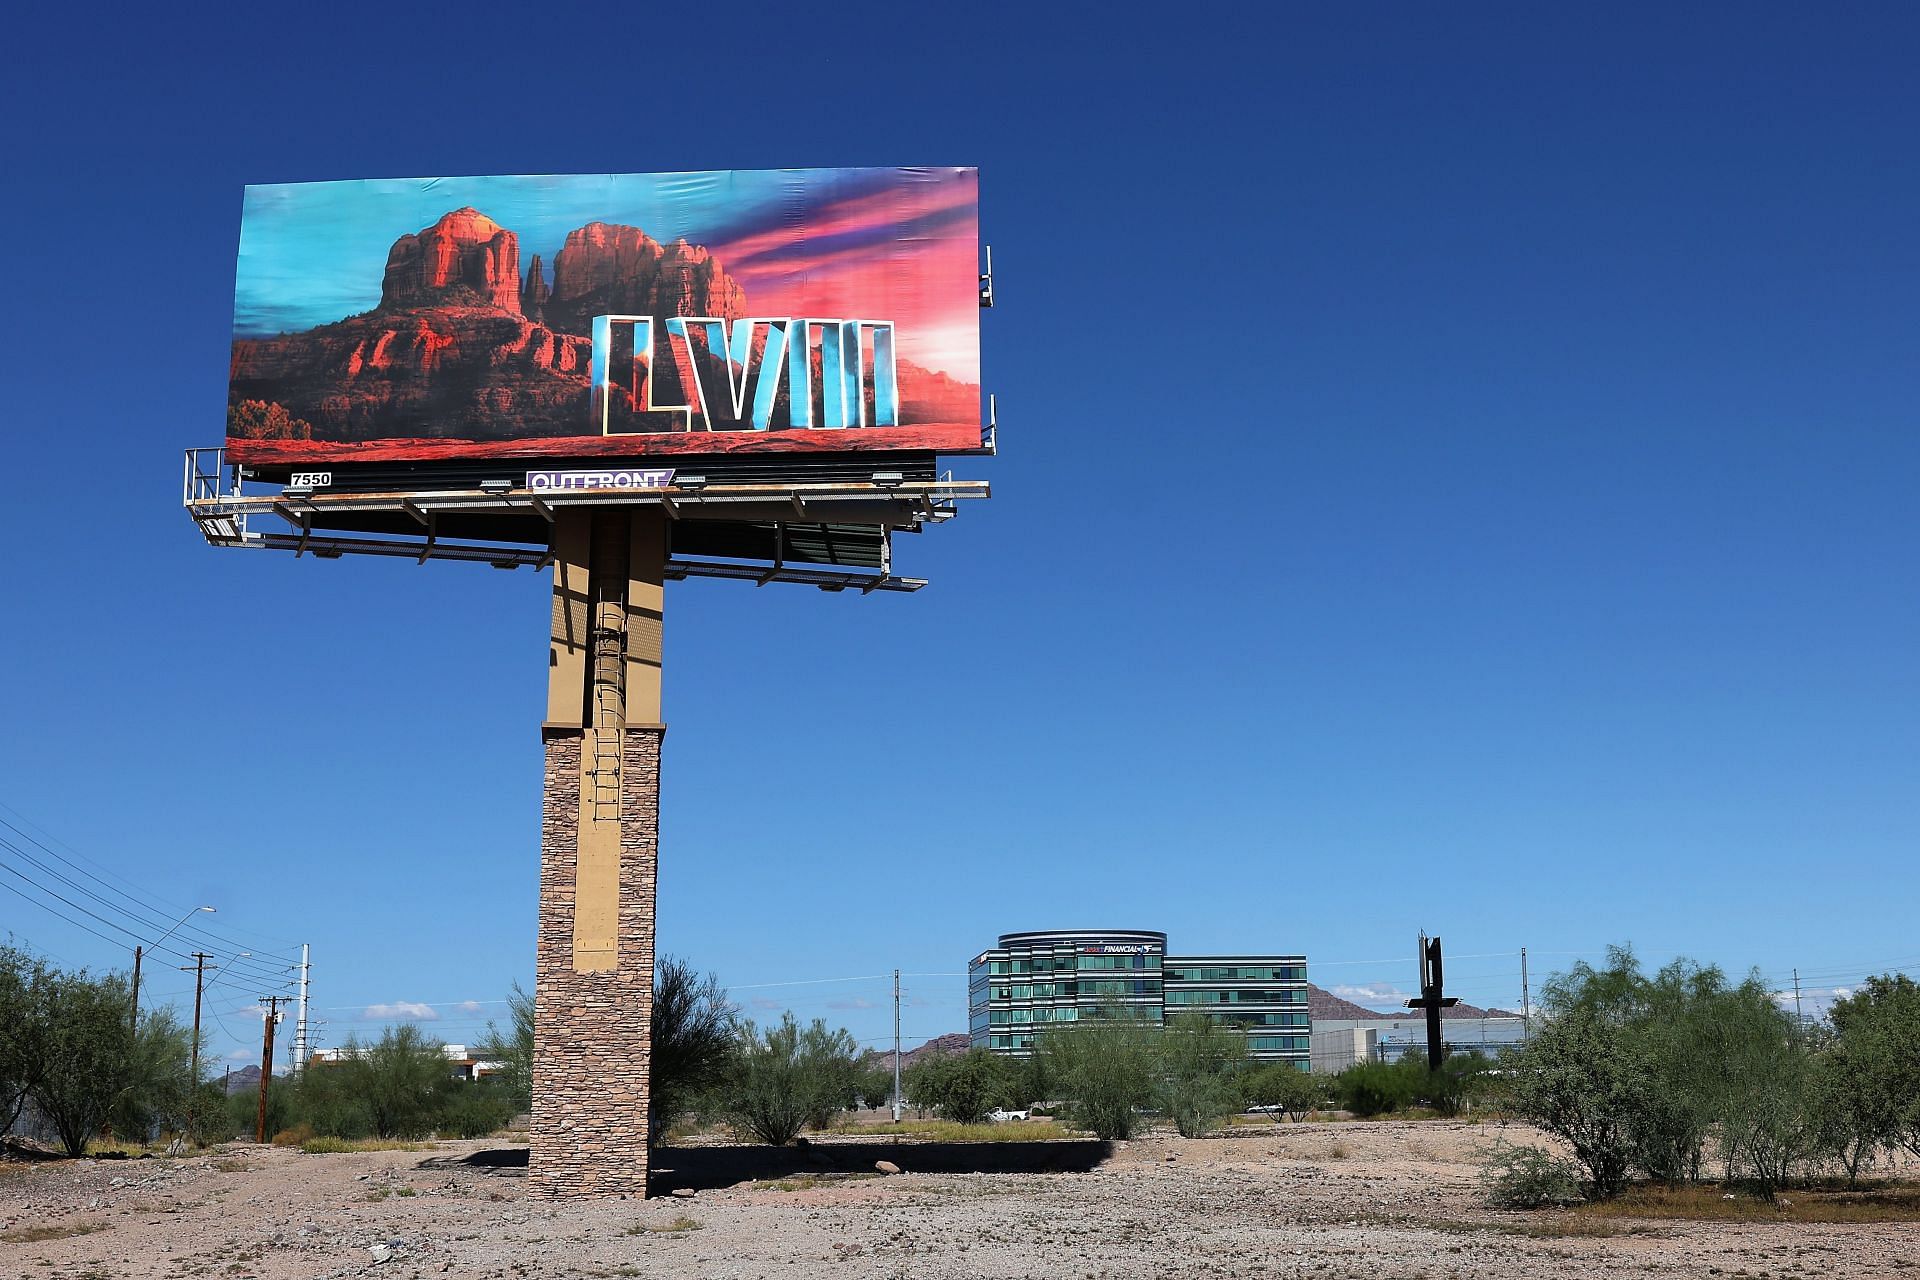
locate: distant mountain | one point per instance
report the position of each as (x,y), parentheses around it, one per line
(952,1042)
(1326,1006)
(245,1080)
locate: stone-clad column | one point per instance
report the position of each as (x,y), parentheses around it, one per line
(593,997)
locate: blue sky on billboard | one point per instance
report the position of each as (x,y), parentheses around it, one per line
(315,232)
(1514,496)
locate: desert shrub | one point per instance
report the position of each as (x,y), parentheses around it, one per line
(1528,1177)
(88,1055)
(788,1075)
(158,1090)
(25,990)
(961,1087)
(1106,1067)
(1586,1085)
(1281,1084)
(474,1109)
(1643,1074)
(1376,1088)
(873,1080)
(1200,1065)
(294,1136)
(511,1052)
(1867,1078)
(327,1096)
(695,1043)
(1462,1078)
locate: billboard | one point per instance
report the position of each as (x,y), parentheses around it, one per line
(607,315)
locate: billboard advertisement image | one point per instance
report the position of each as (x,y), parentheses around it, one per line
(607,315)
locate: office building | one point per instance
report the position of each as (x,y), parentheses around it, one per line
(1033,981)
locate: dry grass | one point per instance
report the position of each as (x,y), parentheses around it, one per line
(947,1131)
(808,1181)
(37,1235)
(1891,1202)
(344,1146)
(678,1225)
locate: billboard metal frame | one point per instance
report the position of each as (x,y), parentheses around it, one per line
(215,495)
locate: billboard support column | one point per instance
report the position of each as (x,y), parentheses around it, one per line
(593,998)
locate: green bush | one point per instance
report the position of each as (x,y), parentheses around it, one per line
(962,1087)
(695,1043)
(1200,1066)
(1281,1084)
(874,1080)
(330,1097)
(1463,1078)
(241,1110)
(88,1055)
(1107,1067)
(1867,1079)
(1643,1075)
(787,1076)
(1529,1178)
(476,1109)
(1375,1088)
(511,1051)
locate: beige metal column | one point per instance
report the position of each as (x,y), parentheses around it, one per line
(594,983)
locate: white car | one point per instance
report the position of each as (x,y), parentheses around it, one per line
(1000,1115)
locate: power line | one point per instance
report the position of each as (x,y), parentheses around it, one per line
(138,935)
(145,895)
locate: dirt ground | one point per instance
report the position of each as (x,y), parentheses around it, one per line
(1379,1200)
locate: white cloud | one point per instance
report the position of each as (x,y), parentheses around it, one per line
(1372,993)
(468,1006)
(858,1002)
(403,1009)
(764,1004)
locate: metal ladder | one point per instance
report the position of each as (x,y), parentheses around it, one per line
(609,707)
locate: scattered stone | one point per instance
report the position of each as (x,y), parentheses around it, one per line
(886,1166)
(684,1193)
(379,1252)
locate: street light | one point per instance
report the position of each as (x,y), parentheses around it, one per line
(136,961)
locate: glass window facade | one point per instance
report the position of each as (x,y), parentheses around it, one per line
(1032,981)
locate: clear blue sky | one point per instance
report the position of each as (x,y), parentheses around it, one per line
(1508,529)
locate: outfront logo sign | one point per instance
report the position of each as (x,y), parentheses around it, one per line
(548,481)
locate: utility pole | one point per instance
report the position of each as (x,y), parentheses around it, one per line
(896,1046)
(1526,1001)
(1799,1022)
(199,967)
(266,1062)
(1433,999)
(300,1047)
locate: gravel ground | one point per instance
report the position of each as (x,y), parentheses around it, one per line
(1380,1200)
